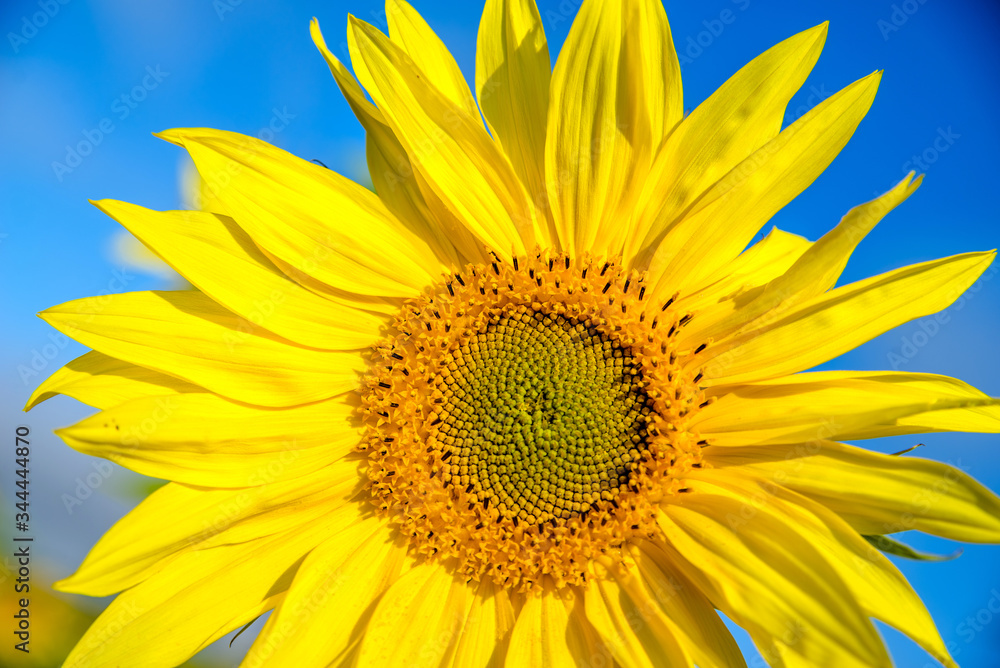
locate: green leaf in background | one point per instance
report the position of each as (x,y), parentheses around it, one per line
(895,548)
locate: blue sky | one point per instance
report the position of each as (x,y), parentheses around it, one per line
(103,75)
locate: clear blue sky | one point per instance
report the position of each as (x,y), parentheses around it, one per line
(108,73)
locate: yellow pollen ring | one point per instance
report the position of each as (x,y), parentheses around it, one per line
(524,419)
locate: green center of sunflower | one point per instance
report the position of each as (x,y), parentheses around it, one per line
(542,417)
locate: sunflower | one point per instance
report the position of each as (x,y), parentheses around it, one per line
(540,401)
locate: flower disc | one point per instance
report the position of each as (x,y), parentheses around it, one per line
(520,410)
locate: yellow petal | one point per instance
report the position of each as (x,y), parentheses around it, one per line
(188,518)
(556,633)
(512,80)
(771,580)
(717,227)
(102,382)
(690,617)
(841,405)
(826,326)
(187,335)
(392,174)
(192,601)
(812,274)
(418,620)
(203,439)
(631,625)
(741,116)
(209,250)
(742,278)
(878,586)
(483,640)
(616,92)
(327,610)
(876,493)
(409,30)
(469,176)
(316,220)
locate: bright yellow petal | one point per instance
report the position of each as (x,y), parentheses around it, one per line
(615,94)
(187,335)
(841,405)
(630,624)
(193,601)
(483,640)
(470,177)
(739,281)
(812,274)
(717,227)
(875,493)
(555,633)
(417,621)
(330,602)
(741,116)
(209,250)
(512,80)
(316,220)
(768,578)
(829,325)
(102,382)
(203,439)
(185,518)
(690,617)
(409,30)
(878,586)
(388,165)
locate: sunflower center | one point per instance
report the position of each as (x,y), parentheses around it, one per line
(543,416)
(523,419)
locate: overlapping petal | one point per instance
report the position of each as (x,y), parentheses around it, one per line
(829,325)
(768,577)
(719,225)
(469,178)
(102,382)
(843,405)
(187,518)
(615,93)
(187,335)
(875,493)
(879,587)
(191,602)
(319,222)
(513,72)
(392,175)
(210,249)
(738,119)
(203,439)
(330,602)
(553,632)
(813,272)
